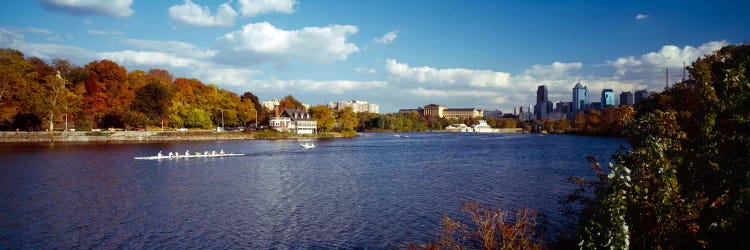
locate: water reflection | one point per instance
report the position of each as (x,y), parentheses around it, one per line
(377,191)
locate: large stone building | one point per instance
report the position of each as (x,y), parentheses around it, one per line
(440,111)
(463,113)
(357,106)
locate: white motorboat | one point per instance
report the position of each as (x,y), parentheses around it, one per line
(187,154)
(308,145)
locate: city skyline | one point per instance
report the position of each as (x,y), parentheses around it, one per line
(470,54)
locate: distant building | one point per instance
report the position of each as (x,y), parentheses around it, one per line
(563,107)
(626,98)
(543,105)
(357,106)
(297,121)
(580,98)
(440,111)
(640,95)
(273,103)
(525,114)
(608,98)
(433,110)
(595,105)
(462,113)
(493,113)
(554,116)
(270,105)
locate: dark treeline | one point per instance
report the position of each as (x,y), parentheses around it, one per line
(35,95)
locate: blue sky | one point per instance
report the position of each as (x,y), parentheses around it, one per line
(399,54)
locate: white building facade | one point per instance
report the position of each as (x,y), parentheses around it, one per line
(296,121)
(357,106)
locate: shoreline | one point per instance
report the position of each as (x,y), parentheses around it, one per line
(134,136)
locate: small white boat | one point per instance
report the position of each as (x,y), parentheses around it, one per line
(171,155)
(308,145)
(396,135)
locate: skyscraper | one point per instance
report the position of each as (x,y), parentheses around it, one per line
(543,105)
(626,98)
(608,98)
(580,97)
(541,94)
(640,95)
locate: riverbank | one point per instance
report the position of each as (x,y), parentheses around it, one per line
(148,136)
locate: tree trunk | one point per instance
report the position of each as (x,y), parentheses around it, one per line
(51,121)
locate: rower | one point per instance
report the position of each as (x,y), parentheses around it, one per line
(222,152)
(213,152)
(170,154)
(187,153)
(159,154)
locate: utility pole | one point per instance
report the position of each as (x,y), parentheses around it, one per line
(222,119)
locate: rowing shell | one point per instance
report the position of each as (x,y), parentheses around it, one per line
(165,157)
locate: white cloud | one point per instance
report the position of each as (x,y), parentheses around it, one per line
(174,47)
(556,70)
(257,42)
(450,93)
(227,76)
(116,8)
(669,56)
(250,8)
(641,16)
(387,38)
(104,32)
(193,14)
(10,39)
(34,30)
(306,85)
(364,70)
(55,38)
(457,76)
(148,58)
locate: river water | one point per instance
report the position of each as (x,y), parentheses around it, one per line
(377,191)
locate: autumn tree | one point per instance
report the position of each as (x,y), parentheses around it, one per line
(13,71)
(290,103)
(346,119)
(161,74)
(152,100)
(323,116)
(262,114)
